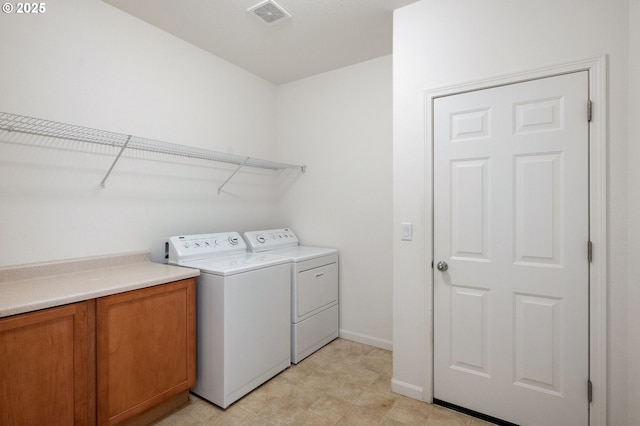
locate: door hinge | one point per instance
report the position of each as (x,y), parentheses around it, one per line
(432,264)
(589,391)
(589,251)
(589,110)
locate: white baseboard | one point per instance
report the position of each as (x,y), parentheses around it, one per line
(367,340)
(406,389)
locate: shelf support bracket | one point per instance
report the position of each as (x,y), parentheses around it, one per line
(233,174)
(104,179)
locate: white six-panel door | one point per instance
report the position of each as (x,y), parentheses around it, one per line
(511,221)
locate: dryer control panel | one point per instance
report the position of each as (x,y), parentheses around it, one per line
(203,246)
(270,239)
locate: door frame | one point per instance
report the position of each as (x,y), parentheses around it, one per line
(597,69)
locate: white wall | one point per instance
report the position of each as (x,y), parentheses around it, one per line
(87,63)
(634,209)
(441,43)
(340,123)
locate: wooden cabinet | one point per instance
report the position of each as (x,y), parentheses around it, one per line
(122,359)
(46,367)
(145,349)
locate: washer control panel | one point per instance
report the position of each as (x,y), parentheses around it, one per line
(270,239)
(201,246)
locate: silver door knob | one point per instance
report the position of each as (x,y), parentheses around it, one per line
(442,266)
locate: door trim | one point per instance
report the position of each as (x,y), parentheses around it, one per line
(597,69)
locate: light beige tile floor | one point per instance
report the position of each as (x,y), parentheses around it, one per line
(344,383)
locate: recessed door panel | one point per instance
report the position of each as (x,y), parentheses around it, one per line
(469,330)
(539,343)
(537,116)
(539,207)
(469,125)
(469,209)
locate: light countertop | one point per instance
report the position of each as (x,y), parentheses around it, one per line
(27,288)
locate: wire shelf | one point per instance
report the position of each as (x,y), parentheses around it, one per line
(37,126)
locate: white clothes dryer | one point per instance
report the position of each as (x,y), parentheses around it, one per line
(314,288)
(243,314)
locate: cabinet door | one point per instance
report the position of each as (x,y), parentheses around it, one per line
(45,369)
(145,349)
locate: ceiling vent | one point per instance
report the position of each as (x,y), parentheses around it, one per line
(270,12)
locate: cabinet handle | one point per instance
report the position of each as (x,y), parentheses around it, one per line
(319,274)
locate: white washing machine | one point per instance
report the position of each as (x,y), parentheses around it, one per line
(243,314)
(314,288)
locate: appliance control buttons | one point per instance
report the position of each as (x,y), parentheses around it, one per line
(260,239)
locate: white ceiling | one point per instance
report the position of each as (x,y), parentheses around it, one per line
(322,35)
